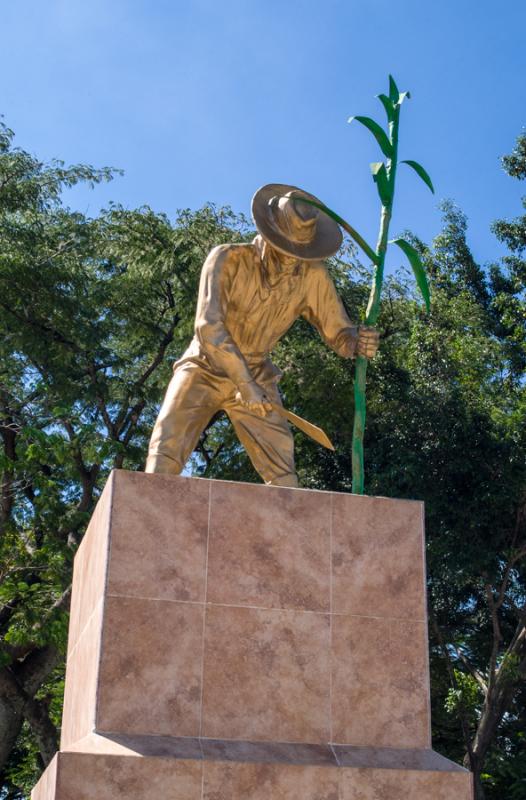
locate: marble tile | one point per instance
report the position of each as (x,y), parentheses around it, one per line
(227,781)
(386,784)
(377,557)
(379,682)
(78,717)
(84,776)
(159,531)
(150,675)
(89,573)
(266,675)
(269,547)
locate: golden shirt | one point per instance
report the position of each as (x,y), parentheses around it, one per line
(246,303)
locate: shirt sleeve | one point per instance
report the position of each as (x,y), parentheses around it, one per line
(325,310)
(211,331)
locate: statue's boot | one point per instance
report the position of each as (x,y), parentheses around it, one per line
(290,480)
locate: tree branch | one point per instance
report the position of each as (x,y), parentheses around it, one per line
(497,637)
(470,668)
(464,723)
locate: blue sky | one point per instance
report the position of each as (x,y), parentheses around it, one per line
(205,100)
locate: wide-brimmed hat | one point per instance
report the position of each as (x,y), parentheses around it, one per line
(295,228)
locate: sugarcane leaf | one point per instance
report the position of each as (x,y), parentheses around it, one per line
(389,107)
(353,233)
(393,90)
(402,96)
(418,168)
(378,133)
(379,174)
(418,268)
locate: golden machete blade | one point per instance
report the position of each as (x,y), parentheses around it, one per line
(307,427)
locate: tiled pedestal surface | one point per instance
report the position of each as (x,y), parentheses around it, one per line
(242,642)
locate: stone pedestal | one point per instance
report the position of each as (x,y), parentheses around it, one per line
(232,641)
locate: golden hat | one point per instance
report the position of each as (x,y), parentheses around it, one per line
(292,227)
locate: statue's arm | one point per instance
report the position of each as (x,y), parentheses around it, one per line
(325,310)
(211,331)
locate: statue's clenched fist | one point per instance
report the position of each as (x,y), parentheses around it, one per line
(368,339)
(253,397)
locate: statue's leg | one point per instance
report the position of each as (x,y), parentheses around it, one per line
(191,400)
(267,440)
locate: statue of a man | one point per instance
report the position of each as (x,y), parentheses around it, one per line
(249,296)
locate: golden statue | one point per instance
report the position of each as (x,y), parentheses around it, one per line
(249,296)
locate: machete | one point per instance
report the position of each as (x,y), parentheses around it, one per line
(307,427)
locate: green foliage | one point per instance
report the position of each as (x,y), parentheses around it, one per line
(464,696)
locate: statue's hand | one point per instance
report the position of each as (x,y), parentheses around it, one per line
(368,339)
(253,397)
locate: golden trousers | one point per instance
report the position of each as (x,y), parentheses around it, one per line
(193,397)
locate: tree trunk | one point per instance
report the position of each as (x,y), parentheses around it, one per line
(11,716)
(18,686)
(498,701)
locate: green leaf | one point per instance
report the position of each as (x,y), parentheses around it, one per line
(389,107)
(378,133)
(379,174)
(418,268)
(418,168)
(402,96)
(367,249)
(393,90)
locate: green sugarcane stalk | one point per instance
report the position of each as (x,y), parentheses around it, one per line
(384,175)
(373,310)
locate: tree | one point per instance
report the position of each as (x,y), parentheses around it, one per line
(467,398)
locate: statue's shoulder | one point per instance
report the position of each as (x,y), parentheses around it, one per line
(227,257)
(231,253)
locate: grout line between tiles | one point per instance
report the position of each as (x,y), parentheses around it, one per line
(96,608)
(269,608)
(204,614)
(210,604)
(335,755)
(156,599)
